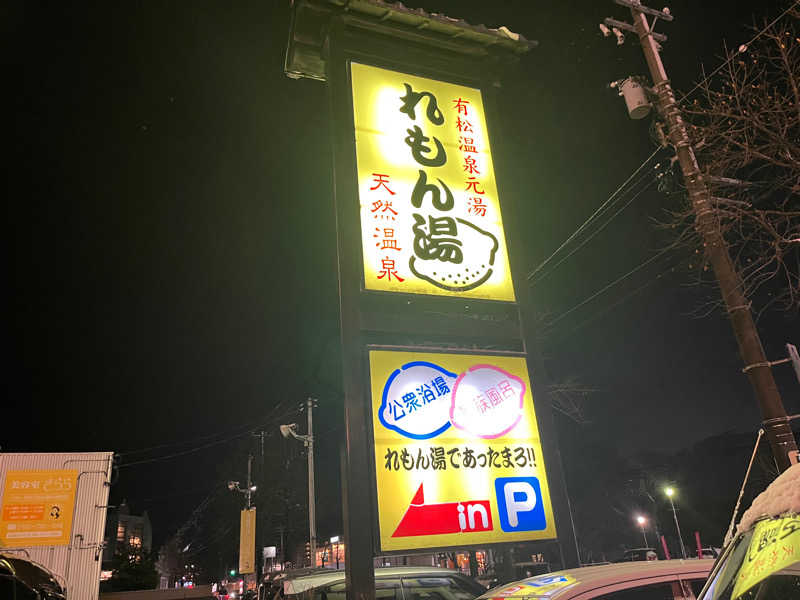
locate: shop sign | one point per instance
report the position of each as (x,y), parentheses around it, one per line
(458,457)
(429,207)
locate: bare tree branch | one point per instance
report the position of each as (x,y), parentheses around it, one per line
(746,131)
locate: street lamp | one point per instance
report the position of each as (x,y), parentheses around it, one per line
(290,430)
(247,490)
(642,521)
(335,541)
(670,492)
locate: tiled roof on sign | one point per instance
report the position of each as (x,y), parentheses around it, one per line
(397,10)
(305,56)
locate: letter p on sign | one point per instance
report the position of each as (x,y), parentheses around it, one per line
(519,504)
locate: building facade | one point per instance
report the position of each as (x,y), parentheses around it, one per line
(125,530)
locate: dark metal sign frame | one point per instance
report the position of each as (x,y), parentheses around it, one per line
(371,319)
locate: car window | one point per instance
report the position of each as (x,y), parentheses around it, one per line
(337,591)
(775,587)
(697,585)
(658,591)
(388,589)
(780,585)
(438,588)
(721,583)
(385,589)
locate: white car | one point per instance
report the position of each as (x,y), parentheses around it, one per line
(639,580)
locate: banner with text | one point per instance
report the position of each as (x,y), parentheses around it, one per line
(37,508)
(247,541)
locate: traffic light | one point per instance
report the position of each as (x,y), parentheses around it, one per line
(232,572)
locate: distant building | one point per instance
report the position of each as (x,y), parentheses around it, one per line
(124,529)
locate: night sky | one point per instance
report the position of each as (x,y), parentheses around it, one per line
(171,270)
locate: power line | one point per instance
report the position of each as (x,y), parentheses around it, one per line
(209,445)
(182,453)
(609,286)
(247,428)
(597,231)
(617,302)
(603,207)
(730,58)
(191,441)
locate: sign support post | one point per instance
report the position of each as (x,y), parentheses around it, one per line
(356,502)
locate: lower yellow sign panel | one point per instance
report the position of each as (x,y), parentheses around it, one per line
(458,458)
(37,508)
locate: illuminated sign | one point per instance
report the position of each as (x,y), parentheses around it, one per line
(430,215)
(458,459)
(37,508)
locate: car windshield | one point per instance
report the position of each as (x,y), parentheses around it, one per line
(783,583)
(403,587)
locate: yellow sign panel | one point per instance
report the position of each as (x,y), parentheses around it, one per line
(775,545)
(247,541)
(458,458)
(430,214)
(36,508)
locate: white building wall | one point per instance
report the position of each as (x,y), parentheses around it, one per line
(76,565)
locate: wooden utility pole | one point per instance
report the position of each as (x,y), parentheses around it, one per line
(757,367)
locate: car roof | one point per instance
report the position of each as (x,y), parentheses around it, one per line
(295,585)
(553,585)
(32,573)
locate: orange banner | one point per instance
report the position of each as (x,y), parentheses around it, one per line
(37,508)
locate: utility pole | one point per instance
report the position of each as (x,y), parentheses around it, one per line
(261,435)
(281,529)
(312,527)
(248,494)
(290,430)
(262,478)
(249,479)
(248,491)
(757,367)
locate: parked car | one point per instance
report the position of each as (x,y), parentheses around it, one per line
(391,583)
(637,580)
(711,552)
(22,579)
(639,554)
(763,558)
(272,584)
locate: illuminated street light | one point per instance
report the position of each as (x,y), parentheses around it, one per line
(670,492)
(642,522)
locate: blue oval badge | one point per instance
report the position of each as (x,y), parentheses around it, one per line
(416,400)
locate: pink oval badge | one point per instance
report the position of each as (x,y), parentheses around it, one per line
(487,401)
